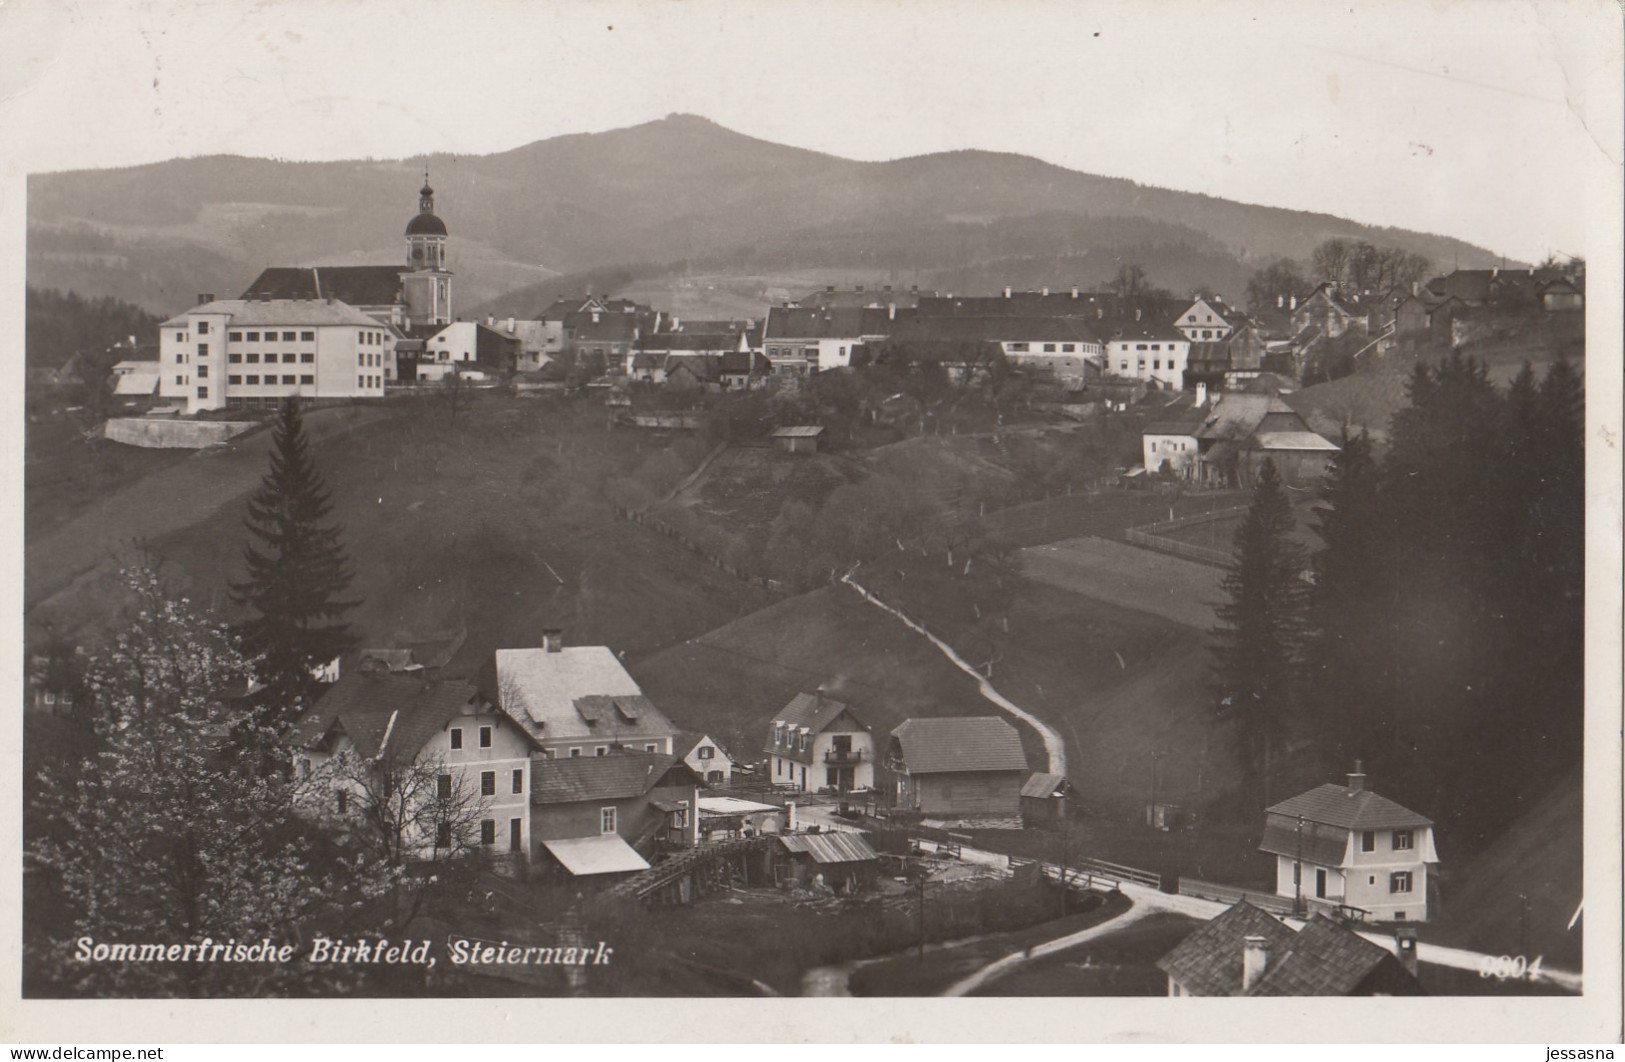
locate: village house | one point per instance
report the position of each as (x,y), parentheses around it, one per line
(1203,322)
(816,742)
(800,340)
(237,353)
(1061,347)
(1228,439)
(1146,349)
(575,701)
(1089,305)
(744,370)
(1326,309)
(399,726)
(962,770)
(465,346)
(1249,952)
(1345,845)
(831,297)
(599,817)
(706,758)
(798,438)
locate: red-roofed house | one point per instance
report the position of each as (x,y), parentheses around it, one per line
(817,742)
(1345,844)
(960,769)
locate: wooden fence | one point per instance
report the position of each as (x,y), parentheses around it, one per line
(1152,536)
(1269,901)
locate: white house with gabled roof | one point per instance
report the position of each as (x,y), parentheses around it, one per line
(1344,844)
(576,700)
(1203,322)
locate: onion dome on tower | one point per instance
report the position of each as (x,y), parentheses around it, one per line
(426,233)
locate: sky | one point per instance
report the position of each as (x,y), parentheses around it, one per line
(1474,118)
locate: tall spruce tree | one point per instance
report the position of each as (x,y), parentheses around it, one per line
(1345,661)
(1258,642)
(297,572)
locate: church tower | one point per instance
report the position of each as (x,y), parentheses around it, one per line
(426,285)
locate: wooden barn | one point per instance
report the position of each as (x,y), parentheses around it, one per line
(799,439)
(1044,798)
(964,771)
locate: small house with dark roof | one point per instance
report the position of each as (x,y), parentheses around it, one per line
(1249,952)
(962,769)
(798,438)
(603,815)
(398,723)
(1345,845)
(817,742)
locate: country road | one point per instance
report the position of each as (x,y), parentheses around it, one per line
(1054,747)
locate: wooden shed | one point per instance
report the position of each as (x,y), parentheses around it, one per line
(844,860)
(800,439)
(965,770)
(1044,798)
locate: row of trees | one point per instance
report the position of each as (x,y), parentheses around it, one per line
(1441,635)
(1353,265)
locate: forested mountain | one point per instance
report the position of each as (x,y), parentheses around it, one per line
(680,193)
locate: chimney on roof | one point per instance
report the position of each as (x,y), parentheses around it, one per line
(1074,292)
(1294,302)
(891,311)
(1405,940)
(1255,959)
(510,326)
(676,323)
(1007,293)
(490,320)
(1357,776)
(1136,313)
(1046,292)
(553,639)
(1495,272)
(1280,302)
(1201,395)
(203,297)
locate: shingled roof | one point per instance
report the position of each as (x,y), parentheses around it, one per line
(974,743)
(613,777)
(1326,959)
(1353,809)
(1209,961)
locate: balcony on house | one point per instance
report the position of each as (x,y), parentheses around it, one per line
(846,755)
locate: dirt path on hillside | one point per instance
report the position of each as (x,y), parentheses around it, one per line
(165,501)
(1054,747)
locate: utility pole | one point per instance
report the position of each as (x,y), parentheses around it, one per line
(1297,872)
(921,952)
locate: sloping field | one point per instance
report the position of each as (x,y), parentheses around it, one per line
(180,493)
(1540,857)
(1366,400)
(732,680)
(744,488)
(1105,513)
(1116,572)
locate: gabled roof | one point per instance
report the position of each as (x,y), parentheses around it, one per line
(813,711)
(1323,959)
(688,740)
(387,713)
(1209,961)
(363,285)
(579,692)
(974,743)
(799,431)
(1354,809)
(609,328)
(1292,440)
(1235,415)
(744,361)
(617,776)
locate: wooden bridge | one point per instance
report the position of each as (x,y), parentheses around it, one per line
(694,871)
